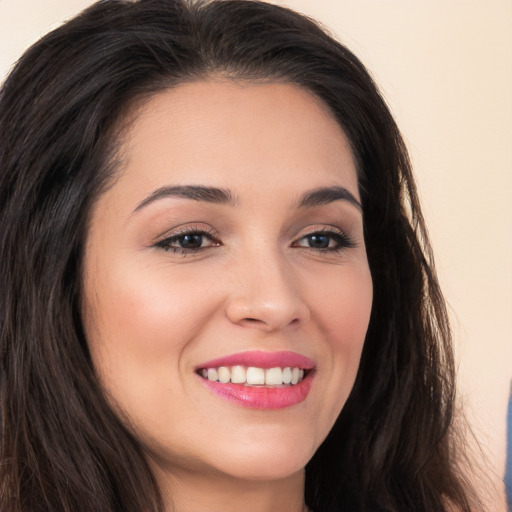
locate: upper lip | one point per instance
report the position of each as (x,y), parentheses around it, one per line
(262,359)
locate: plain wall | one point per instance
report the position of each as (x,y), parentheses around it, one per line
(445,68)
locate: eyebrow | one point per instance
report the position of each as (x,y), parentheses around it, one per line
(317,197)
(195,192)
(326,195)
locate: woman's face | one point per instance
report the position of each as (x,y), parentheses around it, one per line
(226,286)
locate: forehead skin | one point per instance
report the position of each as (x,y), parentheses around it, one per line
(190,103)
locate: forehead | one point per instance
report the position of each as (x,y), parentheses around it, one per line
(230,133)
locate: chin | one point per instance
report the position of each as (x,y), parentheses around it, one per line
(266,459)
(258,469)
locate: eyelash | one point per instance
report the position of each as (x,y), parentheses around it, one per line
(341,239)
(165,244)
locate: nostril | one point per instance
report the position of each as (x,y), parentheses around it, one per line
(252,321)
(260,311)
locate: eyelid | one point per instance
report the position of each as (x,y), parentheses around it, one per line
(185,229)
(341,238)
(164,242)
(347,241)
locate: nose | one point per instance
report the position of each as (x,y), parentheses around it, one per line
(264,294)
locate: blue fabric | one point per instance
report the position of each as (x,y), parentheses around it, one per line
(508,469)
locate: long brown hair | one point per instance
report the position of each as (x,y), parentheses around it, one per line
(62,447)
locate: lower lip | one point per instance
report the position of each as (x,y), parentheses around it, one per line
(262,397)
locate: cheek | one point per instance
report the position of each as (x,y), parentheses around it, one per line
(344,313)
(350,326)
(344,304)
(141,324)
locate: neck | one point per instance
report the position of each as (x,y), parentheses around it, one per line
(190,492)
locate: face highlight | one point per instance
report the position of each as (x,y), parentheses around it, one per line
(226,286)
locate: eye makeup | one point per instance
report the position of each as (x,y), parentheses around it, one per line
(189,239)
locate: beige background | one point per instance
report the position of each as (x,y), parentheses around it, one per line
(445,67)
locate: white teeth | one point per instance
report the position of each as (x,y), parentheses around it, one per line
(287,375)
(274,377)
(238,375)
(253,376)
(224,374)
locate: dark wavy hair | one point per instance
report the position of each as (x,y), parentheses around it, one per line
(62,447)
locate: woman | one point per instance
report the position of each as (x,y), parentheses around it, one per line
(218,292)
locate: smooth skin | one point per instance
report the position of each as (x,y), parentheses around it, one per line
(171,282)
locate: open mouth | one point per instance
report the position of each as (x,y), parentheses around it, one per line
(259,379)
(254,376)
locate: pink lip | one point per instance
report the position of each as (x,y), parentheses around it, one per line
(261,397)
(262,359)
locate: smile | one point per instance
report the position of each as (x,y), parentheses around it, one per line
(254,376)
(260,380)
